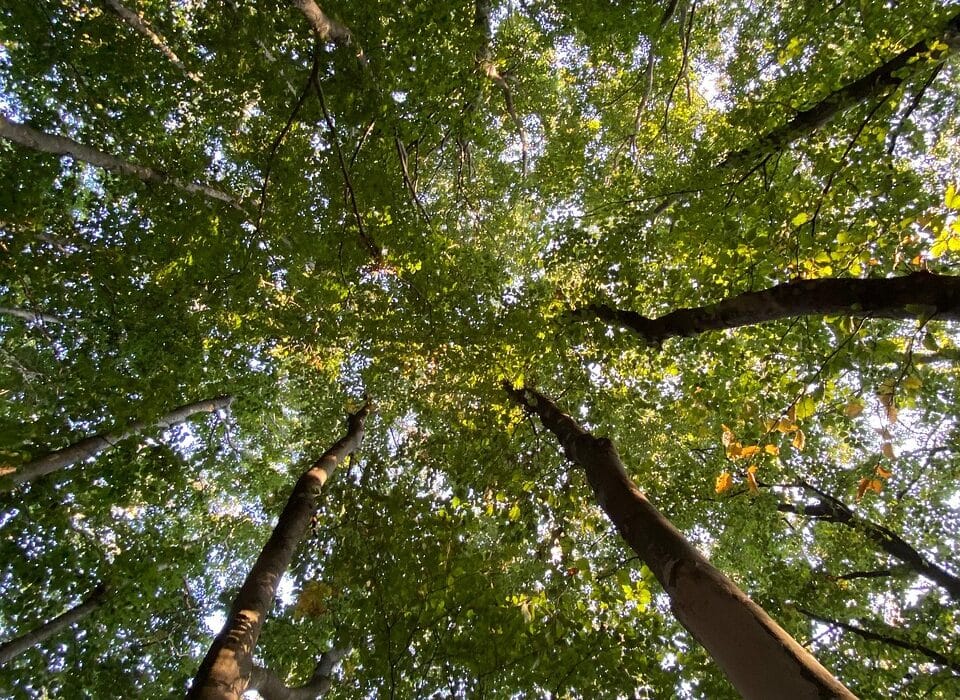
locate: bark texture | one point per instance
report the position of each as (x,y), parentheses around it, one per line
(29,137)
(14,647)
(902,68)
(761,660)
(94,445)
(917,295)
(270,687)
(227,668)
(140,25)
(829,509)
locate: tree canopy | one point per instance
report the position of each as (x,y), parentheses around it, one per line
(724,235)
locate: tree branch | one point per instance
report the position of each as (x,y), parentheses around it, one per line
(14,647)
(917,295)
(29,137)
(94,445)
(896,71)
(885,639)
(270,687)
(143,27)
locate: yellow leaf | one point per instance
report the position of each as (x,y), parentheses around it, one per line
(752,480)
(771,450)
(912,383)
(786,426)
(853,409)
(768,425)
(799,440)
(888,452)
(724,482)
(728,436)
(749,451)
(884,473)
(734,450)
(792,413)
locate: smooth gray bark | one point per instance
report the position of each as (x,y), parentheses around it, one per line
(94,445)
(28,137)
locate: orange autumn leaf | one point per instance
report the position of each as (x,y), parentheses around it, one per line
(883,473)
(749,451)
(772,450)
(724,482)
(752,480)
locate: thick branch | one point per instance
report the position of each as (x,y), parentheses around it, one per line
(832,510)
(226,670)
(935,656)
(917,295)
(756,654)
(29,315)
(14,647)
(140,25)
(898,70)
(62,146)
(325,27)
(94,445)
(270,687)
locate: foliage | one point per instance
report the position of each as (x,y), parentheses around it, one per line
(459,554)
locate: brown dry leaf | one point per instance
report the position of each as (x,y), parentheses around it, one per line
(887,451)
(884,473)
(853,409)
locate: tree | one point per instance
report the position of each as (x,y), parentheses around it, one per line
(725,235)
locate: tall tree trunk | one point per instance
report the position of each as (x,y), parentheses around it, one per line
(94,445)
(761,660)
(901,68)
(917,295)
(62,146)
(270,687)
(141,25)
(833,510)
(14,647)
(226,670)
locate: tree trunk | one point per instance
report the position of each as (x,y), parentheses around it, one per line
(62,146)
(900,69)
(92,446)
(761,660)
(270,687)
(832,510)
(14,647)
(226,670)
(140,25)
(917,295)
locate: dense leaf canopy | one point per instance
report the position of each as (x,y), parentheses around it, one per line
(417,206)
